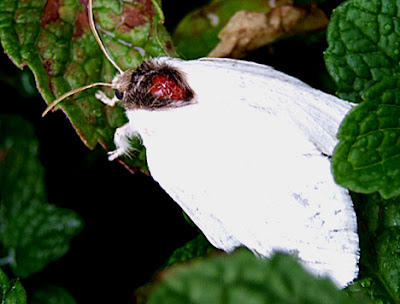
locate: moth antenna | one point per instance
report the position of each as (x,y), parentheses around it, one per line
(96,35)
(62,97)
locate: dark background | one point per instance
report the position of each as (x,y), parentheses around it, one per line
(131,225)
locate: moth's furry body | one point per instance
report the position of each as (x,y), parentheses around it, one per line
(139,92)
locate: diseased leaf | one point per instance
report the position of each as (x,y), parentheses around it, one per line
(233,28)
(197,34)
(247,31)
(243,278)
(32,232)
(54,40)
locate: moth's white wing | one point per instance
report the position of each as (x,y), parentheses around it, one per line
(316,113)
(247,173)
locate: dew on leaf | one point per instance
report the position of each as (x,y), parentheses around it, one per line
(387,27)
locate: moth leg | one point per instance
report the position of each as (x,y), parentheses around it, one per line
(121,141)
(104,99)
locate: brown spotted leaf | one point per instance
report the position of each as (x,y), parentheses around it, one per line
(234,28)
(247,31)
(54,40)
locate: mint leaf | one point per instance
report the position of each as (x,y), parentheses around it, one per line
(367,158)
(243,278)
(378,222)
(54,40)
(11,291)
(364,42)
(363,59)
(32,232)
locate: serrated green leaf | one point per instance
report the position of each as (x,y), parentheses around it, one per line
(33,232)
(363,59)
(11,291)
(364,41)
(54,40)
(367,158)
(243,278)
(51,295)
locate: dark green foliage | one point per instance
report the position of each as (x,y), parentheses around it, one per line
(32,232)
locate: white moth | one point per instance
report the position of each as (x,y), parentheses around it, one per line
(244,150)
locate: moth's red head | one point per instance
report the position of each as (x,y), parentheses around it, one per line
(164,87)
(154,85)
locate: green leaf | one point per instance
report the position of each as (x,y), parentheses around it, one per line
(197,34)
(11,291)
(363,59)
(38,235)
(198,247)
(51,295)
(243,278)
(32,232)
(368,288)
(378,222)
(364,41)
(367,158)
(388,251)
(54,40)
